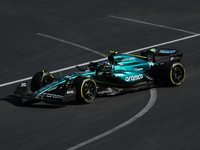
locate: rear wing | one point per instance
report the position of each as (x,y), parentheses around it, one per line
(173,54)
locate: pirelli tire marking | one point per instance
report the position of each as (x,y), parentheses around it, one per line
(171,74)
(88,90)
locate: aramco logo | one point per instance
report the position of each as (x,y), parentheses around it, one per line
(133,78)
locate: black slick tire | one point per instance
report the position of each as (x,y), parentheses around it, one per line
(86,90)
(41,79)
(172,73)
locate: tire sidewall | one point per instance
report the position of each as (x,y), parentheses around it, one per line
(166,73)
(171,74)
(36,81)
(39,80)
(79,84)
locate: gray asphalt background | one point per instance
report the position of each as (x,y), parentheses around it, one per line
(172,123)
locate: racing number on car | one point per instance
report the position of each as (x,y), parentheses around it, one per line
(23,84)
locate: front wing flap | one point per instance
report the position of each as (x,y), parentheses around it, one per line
(55,96)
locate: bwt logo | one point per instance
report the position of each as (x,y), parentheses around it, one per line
(133,78)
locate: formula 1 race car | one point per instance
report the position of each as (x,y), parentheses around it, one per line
(121,73)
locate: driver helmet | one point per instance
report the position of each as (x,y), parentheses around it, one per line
(106,65)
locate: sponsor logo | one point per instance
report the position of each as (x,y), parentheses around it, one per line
(118,75)
(175,58)
(128,59)
(133,78)
(104,92)
(108,92)
(167,51)
(54,96)
(138,69)
(149,78)
(162,51)
(48,95)
(70,92)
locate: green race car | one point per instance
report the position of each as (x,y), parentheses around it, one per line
(120,74)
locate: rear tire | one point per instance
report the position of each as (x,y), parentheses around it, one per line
(40,79)
(172,73)
(86,90)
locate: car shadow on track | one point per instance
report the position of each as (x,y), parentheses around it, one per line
(17,101)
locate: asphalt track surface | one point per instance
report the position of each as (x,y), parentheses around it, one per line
(82,31)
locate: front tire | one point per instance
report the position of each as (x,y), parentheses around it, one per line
(40,79)
(172,73)
(86,90)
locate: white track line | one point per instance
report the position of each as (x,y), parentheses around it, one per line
(152,24)
(67,68)
(70,43)
(151,102)
(55,71)
(165,43)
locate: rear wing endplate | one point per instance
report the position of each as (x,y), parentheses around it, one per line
(173,54)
